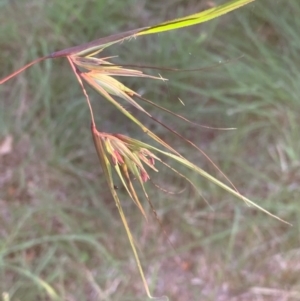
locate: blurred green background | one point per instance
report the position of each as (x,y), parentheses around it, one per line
(59,228)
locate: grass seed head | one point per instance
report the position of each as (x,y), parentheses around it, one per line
(122,151)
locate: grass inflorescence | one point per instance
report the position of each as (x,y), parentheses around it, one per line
(60,229)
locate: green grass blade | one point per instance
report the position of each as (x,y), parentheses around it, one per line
(98,45)
(196,18)
(40,282)
(220,184)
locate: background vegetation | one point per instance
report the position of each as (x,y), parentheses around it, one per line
(59,227)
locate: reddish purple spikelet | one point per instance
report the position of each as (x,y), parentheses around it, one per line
(117,158)
(151,161)
(144,176)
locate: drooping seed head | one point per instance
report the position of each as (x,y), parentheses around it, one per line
(123,151)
